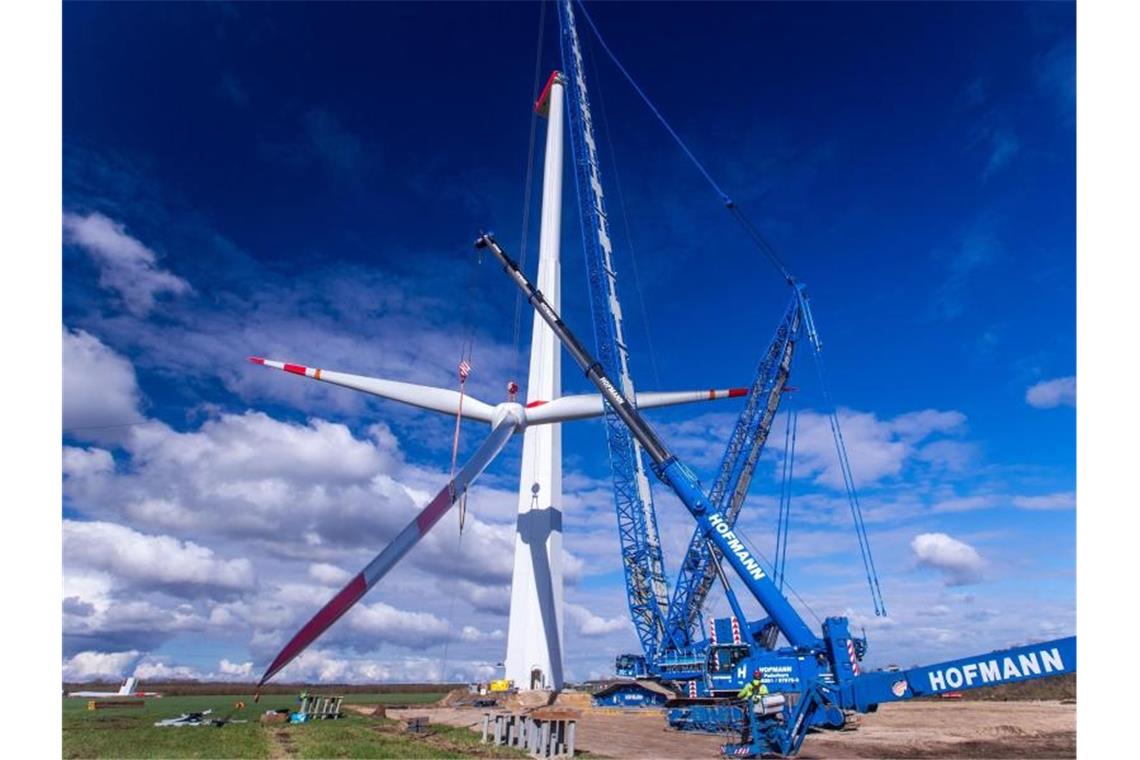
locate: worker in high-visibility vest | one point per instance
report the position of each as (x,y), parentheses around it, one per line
(753,691)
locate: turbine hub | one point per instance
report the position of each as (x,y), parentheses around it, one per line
(509,410)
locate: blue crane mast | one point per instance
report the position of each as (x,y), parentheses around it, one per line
(643,564)
(831,680)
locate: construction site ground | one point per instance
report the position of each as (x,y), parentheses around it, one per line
(919,729)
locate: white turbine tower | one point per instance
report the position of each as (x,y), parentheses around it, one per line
(534,638)
(534,641)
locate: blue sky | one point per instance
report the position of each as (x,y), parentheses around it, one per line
(303,182)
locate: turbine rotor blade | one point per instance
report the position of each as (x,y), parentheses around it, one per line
(423,396)
(590,405)
(394,551)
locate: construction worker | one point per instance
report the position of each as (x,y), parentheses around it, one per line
(754,689)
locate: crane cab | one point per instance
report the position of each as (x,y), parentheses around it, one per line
(631,666)
(727,668)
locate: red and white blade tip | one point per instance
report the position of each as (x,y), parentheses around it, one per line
(296,369)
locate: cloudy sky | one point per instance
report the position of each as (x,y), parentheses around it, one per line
(304,182)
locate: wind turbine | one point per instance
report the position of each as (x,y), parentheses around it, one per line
(534,642)
(505,420)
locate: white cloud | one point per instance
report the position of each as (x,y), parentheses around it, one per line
(150,561)
(329,575)
(156,670)
(954,456)
(383,622)
(125,265)
(254,446)
(99,387)
(236,669)
(94,666)
(293,498)
(958,562)
(491,599)
(370,625)
(1059,500)
(470,633)
(166,514)
(877,448)
(240,475)
(102,612)
(589,624)
(917,426)
(330,666)
(86,463)
(1047,394)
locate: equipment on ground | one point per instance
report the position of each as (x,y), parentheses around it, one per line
(320,706)
(416,724)
(196,719)
(103,704)
(542,733)
(831,680)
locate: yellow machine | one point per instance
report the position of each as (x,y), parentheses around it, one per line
(502,685)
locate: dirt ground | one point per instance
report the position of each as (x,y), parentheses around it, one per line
(901,730)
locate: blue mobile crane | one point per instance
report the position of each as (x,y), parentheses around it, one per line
(830,679)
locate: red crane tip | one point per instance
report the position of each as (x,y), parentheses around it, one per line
(737,392)
(257,360)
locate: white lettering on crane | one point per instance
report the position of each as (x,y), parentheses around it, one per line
(937,680)
(1022,665)
(736,546)
(1052,660)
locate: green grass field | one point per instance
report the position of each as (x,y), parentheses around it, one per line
(131,733)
